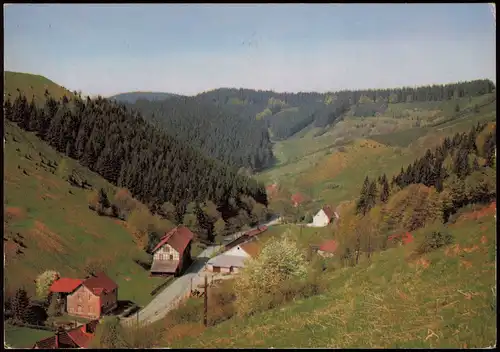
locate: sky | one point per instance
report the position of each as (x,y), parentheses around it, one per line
(187,49)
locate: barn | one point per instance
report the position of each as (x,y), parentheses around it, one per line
(172,255)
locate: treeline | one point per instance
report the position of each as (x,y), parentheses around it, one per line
(238,140)
(461,170)
(120,145)
(324,109)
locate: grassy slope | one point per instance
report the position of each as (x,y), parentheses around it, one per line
(57,227)
(314,165)
(32,85)
(443,299)
(24,337)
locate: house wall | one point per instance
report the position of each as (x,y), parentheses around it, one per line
(325,254)
(109,301)
(84,303)
(320,219)
(166,252)
(237,251)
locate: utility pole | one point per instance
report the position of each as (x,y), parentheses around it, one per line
(205,307)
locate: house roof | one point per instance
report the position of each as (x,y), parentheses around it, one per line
(256,231)
(49,342)
(329,246)
(252,248)
(178,238)
(65,285)
(164,266)
(227,261)
(328,211)
(298,198)
(99,283)
(80,336)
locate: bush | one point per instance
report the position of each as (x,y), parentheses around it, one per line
(261,279)
(433,240)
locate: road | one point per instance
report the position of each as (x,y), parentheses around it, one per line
(170,297)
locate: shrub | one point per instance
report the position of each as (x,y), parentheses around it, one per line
(44,281)
(279,262)
(434,239)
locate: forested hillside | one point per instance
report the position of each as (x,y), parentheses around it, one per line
(132,97)
(129,152)
(233,139)
(288,113)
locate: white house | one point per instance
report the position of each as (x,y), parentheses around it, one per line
(324,216)
(234,259)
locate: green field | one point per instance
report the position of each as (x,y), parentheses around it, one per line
(52,220)
(19,337)
(443,299)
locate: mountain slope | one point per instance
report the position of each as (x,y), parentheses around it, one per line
(288,113)
(49,226)
(233,139)
(157,168)
(132,97)
(32,85)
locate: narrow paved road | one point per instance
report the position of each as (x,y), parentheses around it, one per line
(181,287)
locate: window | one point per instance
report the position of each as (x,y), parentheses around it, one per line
(79,297)
(80,309)
(171,257)
(91,309)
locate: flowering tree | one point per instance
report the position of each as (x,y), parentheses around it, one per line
(279,262)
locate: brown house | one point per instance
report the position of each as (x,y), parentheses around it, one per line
(79,337)
(172,255)
(89,298)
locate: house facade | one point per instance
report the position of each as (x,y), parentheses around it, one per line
(172,255)
(90,298)
(323,217)
(234,259)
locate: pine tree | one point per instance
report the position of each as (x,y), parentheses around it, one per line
(20,305)
(363,200)
(384,192)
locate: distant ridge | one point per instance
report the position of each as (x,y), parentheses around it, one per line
(132,97)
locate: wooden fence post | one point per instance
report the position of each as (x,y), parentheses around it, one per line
(205,308)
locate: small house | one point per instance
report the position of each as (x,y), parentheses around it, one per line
(234,259)
(297,199)
(79,337)
(328,248)
(324,216)
(96,296)
(88,298)
(172,255)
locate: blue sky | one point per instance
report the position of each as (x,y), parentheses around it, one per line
(108,49)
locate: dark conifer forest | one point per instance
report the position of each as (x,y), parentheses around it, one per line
(128,151)
(288,113)
(238,140)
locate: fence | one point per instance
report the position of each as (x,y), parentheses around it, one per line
(34,326)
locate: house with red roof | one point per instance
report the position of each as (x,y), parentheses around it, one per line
(79,337)
(297,199)
(328,248)
(172,255)
(89,298)
(324,216)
